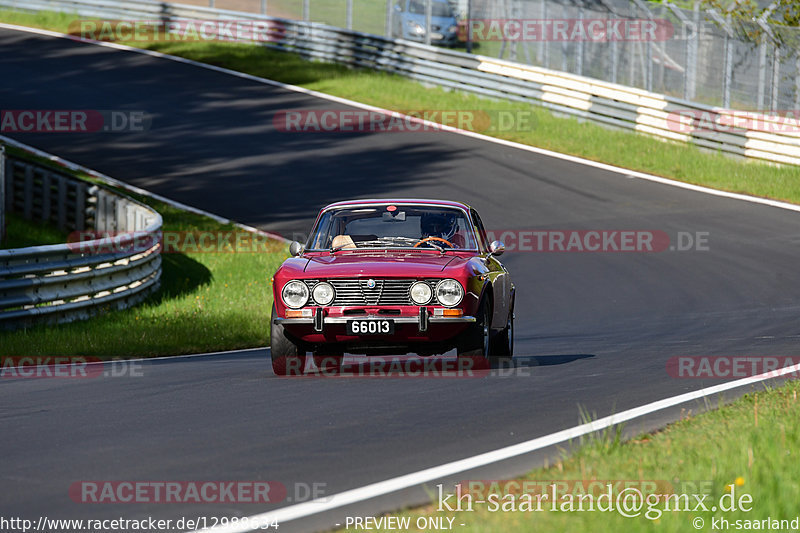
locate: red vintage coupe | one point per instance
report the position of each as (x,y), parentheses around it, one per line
(381,277)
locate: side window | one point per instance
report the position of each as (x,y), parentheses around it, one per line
(483,245)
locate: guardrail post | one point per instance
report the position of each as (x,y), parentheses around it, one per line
(306,10)
(263,7)
(349,14)
(2,193)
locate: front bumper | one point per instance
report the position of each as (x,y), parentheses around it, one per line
(396,319)
(421,333)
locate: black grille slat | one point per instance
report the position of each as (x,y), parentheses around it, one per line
(356,291)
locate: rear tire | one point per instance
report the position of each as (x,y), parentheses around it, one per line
(287,358)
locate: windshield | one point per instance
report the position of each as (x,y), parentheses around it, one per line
(393,226)
(438,9)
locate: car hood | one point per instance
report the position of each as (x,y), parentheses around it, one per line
(395,264)
(444,22)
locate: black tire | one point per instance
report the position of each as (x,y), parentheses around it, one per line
(287,358)
(503,342)
(475,347)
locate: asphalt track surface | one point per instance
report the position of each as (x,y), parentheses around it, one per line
(593,329)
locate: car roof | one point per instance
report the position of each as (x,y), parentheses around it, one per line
(418,201)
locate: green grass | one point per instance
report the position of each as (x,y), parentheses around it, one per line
(755,440)
(368,15)
(626,149)
(21,233)
(207,301)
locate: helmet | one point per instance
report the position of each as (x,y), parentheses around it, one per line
(443,225)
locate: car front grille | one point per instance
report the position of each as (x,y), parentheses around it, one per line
(384,292)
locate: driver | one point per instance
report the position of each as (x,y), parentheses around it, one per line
(441,225)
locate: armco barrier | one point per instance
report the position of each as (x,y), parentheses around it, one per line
(761,137)
(61,282)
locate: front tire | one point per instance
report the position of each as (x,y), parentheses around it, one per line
(504,341)
(475,346)
(287,358)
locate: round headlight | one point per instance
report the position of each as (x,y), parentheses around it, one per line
(449,292)
(421,293)
(295,294)
(323,293)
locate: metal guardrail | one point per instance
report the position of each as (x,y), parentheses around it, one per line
(71,281)
(754,135)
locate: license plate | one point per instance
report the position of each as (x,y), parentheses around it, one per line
(437,36)
(370,327)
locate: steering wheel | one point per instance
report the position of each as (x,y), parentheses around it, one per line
(426,239)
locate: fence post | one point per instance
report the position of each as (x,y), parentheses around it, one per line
(428,20)
(469,26)
(648,54)
(2,193)
(389,14)
(762,72)
(545,61)
(691,68)
(776,79)
(579,53)
(688,28)
(797,82)
(725,23)
(776,58)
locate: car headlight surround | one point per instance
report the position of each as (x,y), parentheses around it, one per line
(416,27)
(323,293)
(449,292)
(295,294)
(420,293)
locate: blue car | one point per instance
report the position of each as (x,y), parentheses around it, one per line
(409,22)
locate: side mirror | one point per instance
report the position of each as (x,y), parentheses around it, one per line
(497,248)
(296,248)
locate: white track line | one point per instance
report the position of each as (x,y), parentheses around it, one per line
(373,490)
(626,173)
(415,479)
